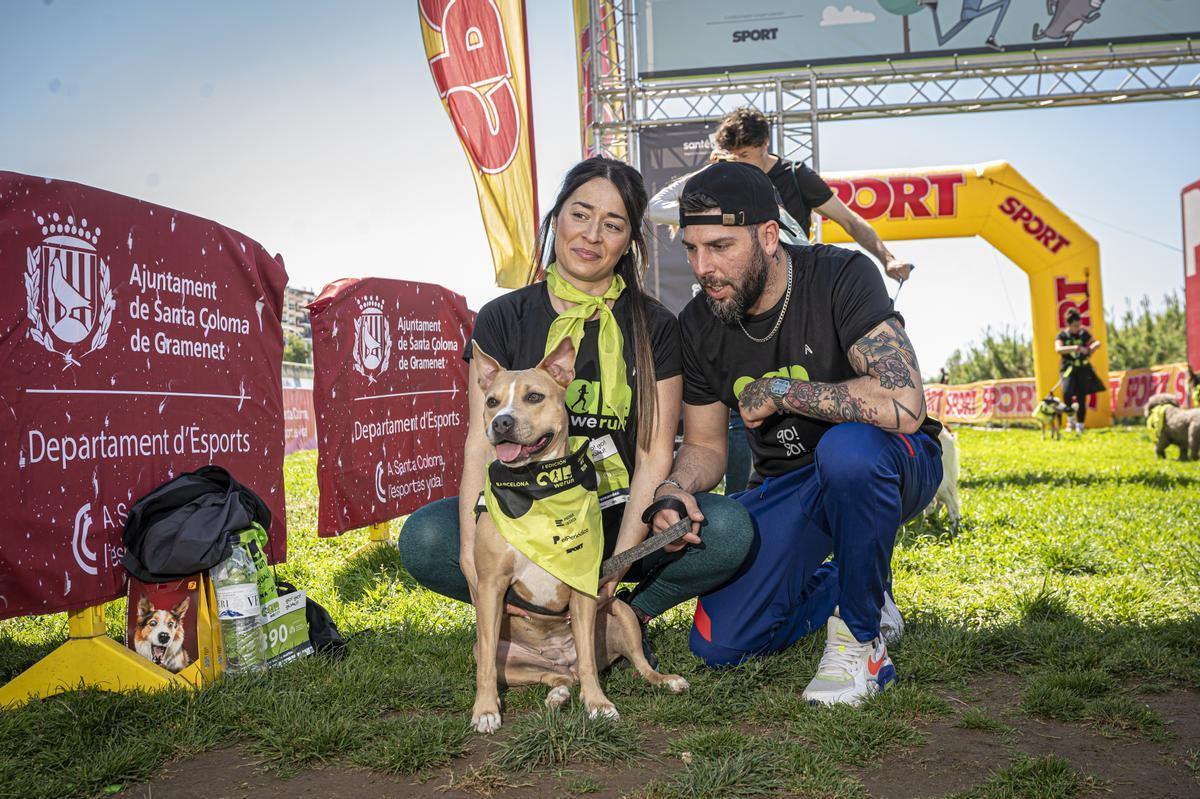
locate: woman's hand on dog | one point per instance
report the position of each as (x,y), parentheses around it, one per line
(604,597)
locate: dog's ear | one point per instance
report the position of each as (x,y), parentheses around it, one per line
(145,609)
(560,362)
(486,366)
(182,607)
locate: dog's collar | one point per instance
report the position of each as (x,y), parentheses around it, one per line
(541,479)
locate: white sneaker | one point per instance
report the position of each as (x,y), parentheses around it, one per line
(891,623)
(849,672)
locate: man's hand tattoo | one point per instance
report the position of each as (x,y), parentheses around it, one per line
(756,395)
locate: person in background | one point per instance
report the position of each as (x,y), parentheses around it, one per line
(745,133)
(1079,381)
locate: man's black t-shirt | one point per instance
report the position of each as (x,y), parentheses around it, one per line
(1069,359)
(801,190)
(513,329)
(837,298)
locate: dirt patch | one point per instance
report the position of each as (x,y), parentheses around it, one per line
(952,759)
(231,774)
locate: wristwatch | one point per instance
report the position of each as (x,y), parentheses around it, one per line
(779,388)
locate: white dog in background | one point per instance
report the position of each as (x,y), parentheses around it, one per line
(947,493)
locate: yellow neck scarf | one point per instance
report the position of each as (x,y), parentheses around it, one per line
(610,345)
(1156,419)
(550,512)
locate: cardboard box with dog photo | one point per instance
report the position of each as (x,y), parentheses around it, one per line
(170,624)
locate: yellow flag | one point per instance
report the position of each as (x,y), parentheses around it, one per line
(478,54)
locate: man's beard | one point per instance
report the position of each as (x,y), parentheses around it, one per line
(745,294)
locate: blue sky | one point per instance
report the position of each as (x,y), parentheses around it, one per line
(314,128)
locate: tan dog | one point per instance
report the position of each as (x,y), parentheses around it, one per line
(525,416)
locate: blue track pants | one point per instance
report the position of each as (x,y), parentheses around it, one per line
(849,502)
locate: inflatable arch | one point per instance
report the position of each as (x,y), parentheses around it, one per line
(995,202)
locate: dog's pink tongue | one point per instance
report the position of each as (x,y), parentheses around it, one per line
(508,451)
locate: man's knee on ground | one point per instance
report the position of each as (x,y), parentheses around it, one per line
(850,453)
(714,655)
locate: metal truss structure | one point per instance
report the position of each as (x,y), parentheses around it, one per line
(798,101)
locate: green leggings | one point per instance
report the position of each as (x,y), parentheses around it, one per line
(429,549)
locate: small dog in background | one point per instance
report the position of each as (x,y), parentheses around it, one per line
(1050,414)
(1173,425)
(159,636)
(947,493)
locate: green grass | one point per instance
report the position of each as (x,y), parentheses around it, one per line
(549,738)
(1076,569)
(1042,777)
(974,718)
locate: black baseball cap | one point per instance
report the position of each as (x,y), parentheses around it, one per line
(743,192)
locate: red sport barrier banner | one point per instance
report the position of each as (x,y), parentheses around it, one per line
(985,401)
(1016,399)
(390,398)
(138,342)
(299,420)
(1136,386)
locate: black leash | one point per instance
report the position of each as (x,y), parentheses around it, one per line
(622,561)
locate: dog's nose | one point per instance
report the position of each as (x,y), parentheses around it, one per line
(502,425)
(163,638)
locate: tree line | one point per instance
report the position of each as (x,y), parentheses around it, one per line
(1142,336)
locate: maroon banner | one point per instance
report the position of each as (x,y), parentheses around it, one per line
(299,420)
(1190,200)
(137,343)
(390,395)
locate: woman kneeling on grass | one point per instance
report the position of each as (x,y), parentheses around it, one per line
(626,400)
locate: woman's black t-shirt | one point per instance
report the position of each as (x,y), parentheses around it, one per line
(1069,359)
(513,329)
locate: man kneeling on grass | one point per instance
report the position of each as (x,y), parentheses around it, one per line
(804,342)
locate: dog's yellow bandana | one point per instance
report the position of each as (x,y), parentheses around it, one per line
(1044,413)
(610,345)
(1155,420)
(550,512)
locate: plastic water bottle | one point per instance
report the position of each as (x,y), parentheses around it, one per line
(235,579)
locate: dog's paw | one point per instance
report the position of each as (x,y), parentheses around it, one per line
(486,723)
(607,711)
(558,696)
(676,684)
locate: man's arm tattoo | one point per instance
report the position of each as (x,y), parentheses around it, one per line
(902,411)
(887,355)
(832,402)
